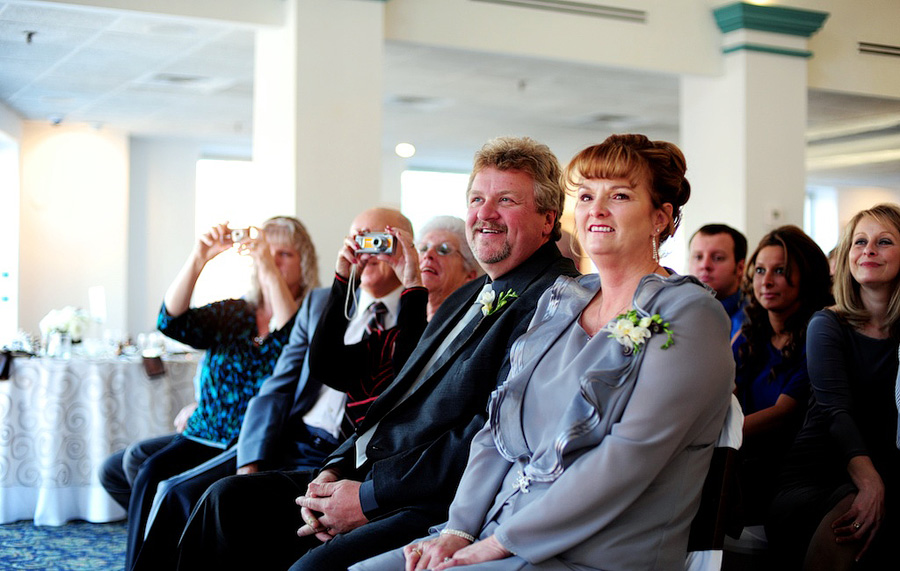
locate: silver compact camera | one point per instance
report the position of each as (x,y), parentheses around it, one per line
(375,243)
(239,234)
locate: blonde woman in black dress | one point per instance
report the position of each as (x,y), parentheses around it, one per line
(837,504)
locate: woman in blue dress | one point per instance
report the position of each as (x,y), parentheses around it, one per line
(837,504)
(242,339)
(598,442)
(787,281)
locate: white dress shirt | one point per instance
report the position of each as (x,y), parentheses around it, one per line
(328,412)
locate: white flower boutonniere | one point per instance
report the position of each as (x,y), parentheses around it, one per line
(632,331)
(486,299)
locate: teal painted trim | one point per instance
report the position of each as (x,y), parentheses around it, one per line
(778,19)
(768,50)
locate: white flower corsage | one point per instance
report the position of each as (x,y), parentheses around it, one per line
(71,320)
(632,331)
(486,299)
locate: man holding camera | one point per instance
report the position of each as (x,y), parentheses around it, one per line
(296,420)
(363,341)
(396,476)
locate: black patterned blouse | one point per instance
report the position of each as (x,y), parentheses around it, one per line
(234,367)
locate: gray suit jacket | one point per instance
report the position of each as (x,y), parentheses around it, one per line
(275,414)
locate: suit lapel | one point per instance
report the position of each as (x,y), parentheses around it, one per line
(475,325)
(428,345)
(519,280)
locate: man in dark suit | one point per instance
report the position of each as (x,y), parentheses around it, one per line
(396,476)
(295,420)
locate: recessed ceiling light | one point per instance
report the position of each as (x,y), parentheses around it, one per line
(405,150)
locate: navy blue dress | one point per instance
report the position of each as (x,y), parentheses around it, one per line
(761,455)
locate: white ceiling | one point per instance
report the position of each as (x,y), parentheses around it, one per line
(178,77)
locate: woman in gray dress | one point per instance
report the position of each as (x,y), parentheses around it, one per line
(599,440)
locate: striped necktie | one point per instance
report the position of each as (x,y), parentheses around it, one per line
(377,311)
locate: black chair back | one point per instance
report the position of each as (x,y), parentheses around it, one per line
(716,516)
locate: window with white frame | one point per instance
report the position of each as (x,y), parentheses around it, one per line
(426,194)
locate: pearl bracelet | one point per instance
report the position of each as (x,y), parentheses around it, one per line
(458,533)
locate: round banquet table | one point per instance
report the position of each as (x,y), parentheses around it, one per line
(59,419)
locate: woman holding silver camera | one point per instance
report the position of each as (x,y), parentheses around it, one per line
(242,339)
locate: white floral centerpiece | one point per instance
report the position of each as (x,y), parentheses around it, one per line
(69,320)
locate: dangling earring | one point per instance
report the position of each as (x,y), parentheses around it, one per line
(655,249)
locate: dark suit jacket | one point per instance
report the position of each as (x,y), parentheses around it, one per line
(278,408)
(419,449)
(364,369)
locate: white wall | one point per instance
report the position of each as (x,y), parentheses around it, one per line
(98,209)
(338,118)
(852,200)
(122,215)
(837,64)
(266,12)
(9,236)
(679,36)
(74,220)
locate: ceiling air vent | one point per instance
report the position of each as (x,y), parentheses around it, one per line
(880,49)
(183,82)
(420,103)
(580,8)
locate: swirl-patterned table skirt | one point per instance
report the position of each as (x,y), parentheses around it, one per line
(59,419)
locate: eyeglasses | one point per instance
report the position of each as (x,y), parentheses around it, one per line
(442,249)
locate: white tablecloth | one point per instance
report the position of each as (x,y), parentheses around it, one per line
(59,419)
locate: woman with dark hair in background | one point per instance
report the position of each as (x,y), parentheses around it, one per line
(786,282)
(837,504)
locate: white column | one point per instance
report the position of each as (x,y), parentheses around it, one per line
(743,131)
(317,125)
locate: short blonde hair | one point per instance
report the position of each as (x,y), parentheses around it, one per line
(527,155)
(291,232)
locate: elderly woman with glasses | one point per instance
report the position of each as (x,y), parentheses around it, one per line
(445,260)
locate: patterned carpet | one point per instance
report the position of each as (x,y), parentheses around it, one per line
(76,546)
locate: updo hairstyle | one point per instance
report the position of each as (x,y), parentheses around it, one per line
(636,159)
